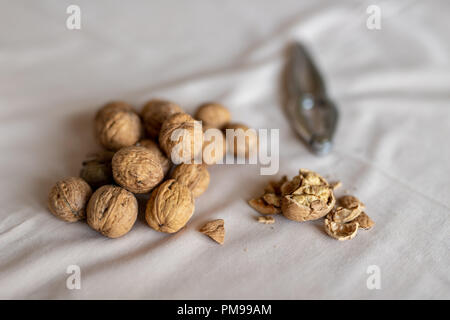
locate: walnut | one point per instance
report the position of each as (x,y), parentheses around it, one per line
(307,197)
(215,230)
(154,147)
(213,115)
(181,138)
(341,231)
(214,146)
(137,169)
(97,170)
(266,220)
(241,140)
(170,207)
(155,112)
(117,125)
(68,199)
(112,211)
(193,176)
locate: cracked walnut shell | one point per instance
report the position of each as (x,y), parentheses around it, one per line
(213,115)
(194,176)
(215,230)
(155,112)
(137,169)
(349,209)
(170,207)
(112,211)
(341,231)
(181,138)
(117,125)
(307,196)
(68,199)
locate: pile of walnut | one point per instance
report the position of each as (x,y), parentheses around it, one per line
(136,160)
(309,196)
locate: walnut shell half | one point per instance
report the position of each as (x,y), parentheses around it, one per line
(170,207)
(112,211)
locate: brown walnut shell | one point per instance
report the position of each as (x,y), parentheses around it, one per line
(137,169)
(117,125)
(155,112)
(213,115)
(154,147)
(181,138)
(112,211)
(68,199)
(170,207)
(194,176)
(307,197)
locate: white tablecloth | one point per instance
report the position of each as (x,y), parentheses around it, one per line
(391,148)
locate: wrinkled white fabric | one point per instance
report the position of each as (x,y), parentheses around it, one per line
(391,150)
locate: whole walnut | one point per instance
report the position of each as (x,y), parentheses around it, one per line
(194,176)
(214,146)
(112,211)
(242,140)
(154,147)
(181,138)
(213,115)
(307,196)
(97,170)
(155,112)
(137,169)
(117,125)
(170,207)
(68,199)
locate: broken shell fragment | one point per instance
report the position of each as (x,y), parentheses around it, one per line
(215,230)
(341,232)
(364,221)
(262,207)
